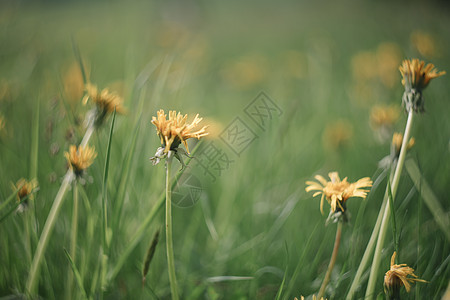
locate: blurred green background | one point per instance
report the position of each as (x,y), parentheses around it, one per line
(325,64)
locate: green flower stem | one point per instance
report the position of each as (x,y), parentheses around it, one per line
(46,232)
(337,243)
(370,246)
(169,241)
(50,222)
(73,237)
(384,224)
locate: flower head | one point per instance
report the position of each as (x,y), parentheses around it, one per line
(397,276)
(314,297)
(176,130)
(336,192)
(79,159)
(397,140)
(416,77)
(25,188)
(105,102)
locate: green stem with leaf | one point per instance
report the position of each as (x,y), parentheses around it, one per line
(384,224)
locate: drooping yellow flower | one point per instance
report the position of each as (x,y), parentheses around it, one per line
(416,75)
(105,100)
(25,188)
(336,192)
(397,276)
(79,159)
(176,130)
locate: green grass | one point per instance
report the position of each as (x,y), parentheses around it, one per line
(214,58)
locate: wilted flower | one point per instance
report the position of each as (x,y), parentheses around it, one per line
(174,131)
(105,102)
(80,159)
(397,276)
(416,77)
(336,192)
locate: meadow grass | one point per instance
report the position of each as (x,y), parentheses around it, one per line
(254,233)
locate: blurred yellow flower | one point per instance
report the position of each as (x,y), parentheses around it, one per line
(176,130)
(25,188)
(337,134)
(73,83)
(246,71)
(397,276)
(79,159)
(336,192)
(397,140)
(388,57)
(105,100)
(384,115)
(424,43)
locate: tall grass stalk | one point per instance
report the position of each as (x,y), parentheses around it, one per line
(337,243)
(370,245)
(46,232)
(105,232)
(73,238)
(50,222)
(169,241)
(384,224)
(144,227)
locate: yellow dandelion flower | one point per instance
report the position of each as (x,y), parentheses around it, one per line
(25,188)
(336,192)
(79,159)
(397,140)
(416,75)
(104,100)
(424,43)
(397,276)
(176,130)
